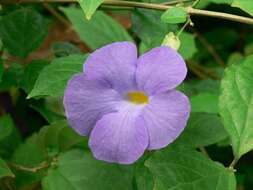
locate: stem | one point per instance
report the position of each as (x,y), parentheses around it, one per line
(195,3)
(195,70)
(203,150)
(226,16)
(183,27)
(175,2)
(118,8)
(190,10)
(56,14)
(41,166)
(233,163)
(201,71)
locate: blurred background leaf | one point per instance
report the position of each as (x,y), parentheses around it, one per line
(100,30)
(16,32)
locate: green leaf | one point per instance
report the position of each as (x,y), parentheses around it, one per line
(22,31)
(61,49)
(174,15)
(224,39)
(236,105)
(98,31)
(53,78)
(59,137)
(9,136)
(6,127)
(181,168)
(195,87)
(146,24)
(1,70)
(89,6)
(11,77)
(41,107)
(5,170)
(205,102)
(203,129)
(55,105)
(248,49)
(143,178)
(245,5)
(188,46)
(235,58)
(42,148)
(33,156)
(31,73)
(78,170)
(221,1)
(28,155)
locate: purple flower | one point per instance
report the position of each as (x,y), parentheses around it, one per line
(127,104)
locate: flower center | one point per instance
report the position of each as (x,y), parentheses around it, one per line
(137,97)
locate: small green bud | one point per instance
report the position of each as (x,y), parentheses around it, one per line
(172,41)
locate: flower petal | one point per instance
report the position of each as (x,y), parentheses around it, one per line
(159,70)
(165,118)
(86,102)
(118,138)
(114,65)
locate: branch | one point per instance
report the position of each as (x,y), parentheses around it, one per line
(192,67)
(56,15)
(41,166)
(190,10)
(175,2)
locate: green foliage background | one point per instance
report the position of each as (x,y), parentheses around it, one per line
(44,44)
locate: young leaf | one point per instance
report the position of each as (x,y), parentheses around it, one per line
(5,170)
(98,31)
(174,15)
(245,5)
(22,31)
(181,168)
(89,6)
(236,105)
(53,78)
(78,170)
(202,129)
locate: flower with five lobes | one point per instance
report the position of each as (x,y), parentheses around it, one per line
(126,104)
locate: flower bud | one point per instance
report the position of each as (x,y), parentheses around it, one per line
(172,41)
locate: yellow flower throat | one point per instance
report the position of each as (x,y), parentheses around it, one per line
(137,97)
